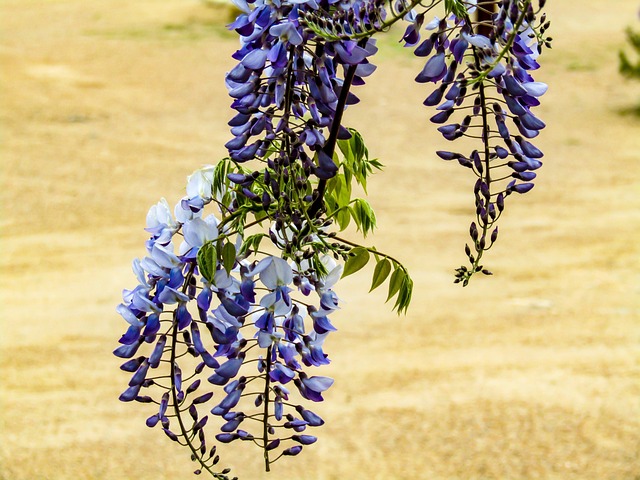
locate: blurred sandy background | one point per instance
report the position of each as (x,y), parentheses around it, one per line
(531,374)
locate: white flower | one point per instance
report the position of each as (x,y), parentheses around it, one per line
(200,182)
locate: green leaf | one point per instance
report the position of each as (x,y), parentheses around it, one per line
(343,191)
(360,257)
(343,217)
(380,273)
(363,215)
(228,256)
(456,7)
(345,148)
(207,261)
(220,180)
(357,146)
(397,277)
(404,295)
(252,242)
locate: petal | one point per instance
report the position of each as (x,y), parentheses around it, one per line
(255,59)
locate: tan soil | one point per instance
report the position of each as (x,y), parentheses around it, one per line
(530,374)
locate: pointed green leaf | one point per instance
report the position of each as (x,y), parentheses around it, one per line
(345,148)
(359,259)
(397,277)
(343,217)
(228,256)
(380,273)
(207,260)
(404,295)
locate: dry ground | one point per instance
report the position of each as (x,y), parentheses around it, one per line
(531,374)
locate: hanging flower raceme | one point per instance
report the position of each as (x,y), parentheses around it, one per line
(485,81)
(249,330)
(288,90)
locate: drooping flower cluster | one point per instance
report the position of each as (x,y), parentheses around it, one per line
(287,87)
(243,331)
(487,81)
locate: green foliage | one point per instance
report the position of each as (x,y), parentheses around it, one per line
(207,260)
(228,255)
(457,7)
(214,252)
(380,273)
(356,161)
(627,68)
(251,243)
(354,164)
(363,215)
(400,283)
(358,258)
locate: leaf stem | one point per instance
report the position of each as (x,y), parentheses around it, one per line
(371,250)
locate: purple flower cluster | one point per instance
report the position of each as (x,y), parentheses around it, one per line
(287,88)
(243,331)
(487,80)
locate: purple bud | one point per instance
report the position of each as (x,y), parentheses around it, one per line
(231,400)
(238,120)
(202,398)
(442,116)
(529,149)
(273,444)
(434,98)
(434,70)
(424,49)
(140,375)
(130,393)
(522,187)
(502,152)
(473,231)
(170,434)
(519,166)
(126,351)
(458,47)
(514,105)
(132,365)
(237,143)
(292,451)
(152,421)
(200,425)
(447,155)
(233,424)
(530,122)
(304,439)
(255,59)
(164,403)
(238,178)
(230,368)
(226,437)
(183,316)
(502,127)
(494,235)
(193,387)
(177,377)
(526,176)
(310,417)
